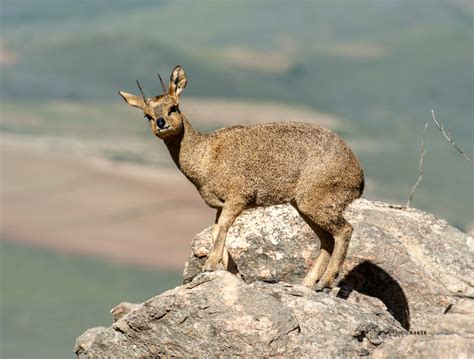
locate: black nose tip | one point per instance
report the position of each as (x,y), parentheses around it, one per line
(160,122)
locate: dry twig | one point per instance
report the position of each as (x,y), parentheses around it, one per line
(420,165)
(449,137)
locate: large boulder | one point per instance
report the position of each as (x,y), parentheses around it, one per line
(415,263)
(406,290)
(219,315)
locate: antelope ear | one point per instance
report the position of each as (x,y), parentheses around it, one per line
(178,81)
(132,100)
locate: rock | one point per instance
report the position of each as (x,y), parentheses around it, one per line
(450,335)
(85,341)
(415,263)
(268,244)
(219,315)
(436,346)
(123,308)
(405,290)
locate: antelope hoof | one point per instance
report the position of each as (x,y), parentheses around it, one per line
(324,286)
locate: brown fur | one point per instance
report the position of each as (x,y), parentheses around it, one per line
(260,165)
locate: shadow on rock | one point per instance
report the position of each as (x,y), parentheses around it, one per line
(370,279)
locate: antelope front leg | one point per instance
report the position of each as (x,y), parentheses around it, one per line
(225,255)
(229,213)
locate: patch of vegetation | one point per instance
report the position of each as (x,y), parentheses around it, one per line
(49,299)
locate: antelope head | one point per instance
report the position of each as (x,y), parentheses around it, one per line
(162,111)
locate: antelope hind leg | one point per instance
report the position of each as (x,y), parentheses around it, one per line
(342,236)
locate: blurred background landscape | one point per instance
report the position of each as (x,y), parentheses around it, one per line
(94,212)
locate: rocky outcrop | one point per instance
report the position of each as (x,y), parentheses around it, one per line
(219,315)
(406,290)
(415,263)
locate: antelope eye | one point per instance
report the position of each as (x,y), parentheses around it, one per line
(172,109)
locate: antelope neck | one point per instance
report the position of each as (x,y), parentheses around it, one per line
(186,150)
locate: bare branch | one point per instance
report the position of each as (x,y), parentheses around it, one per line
(420,165)
(449,137)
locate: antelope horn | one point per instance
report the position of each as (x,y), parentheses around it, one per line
(143,93)
(162,85)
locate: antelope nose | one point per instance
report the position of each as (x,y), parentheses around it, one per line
(161,122)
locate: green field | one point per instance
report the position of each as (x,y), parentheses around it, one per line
(47,300)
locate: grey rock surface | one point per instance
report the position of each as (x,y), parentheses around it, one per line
(435,346)
(450,335)
(414,262)
(219,315)
(123,308)
(267,244)
(406,290)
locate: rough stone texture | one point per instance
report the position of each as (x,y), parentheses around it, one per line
(406,272)
(414,262)
(436,346)
(219,315)
(268,244)
(86,340)
(450,335)
(123,308)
